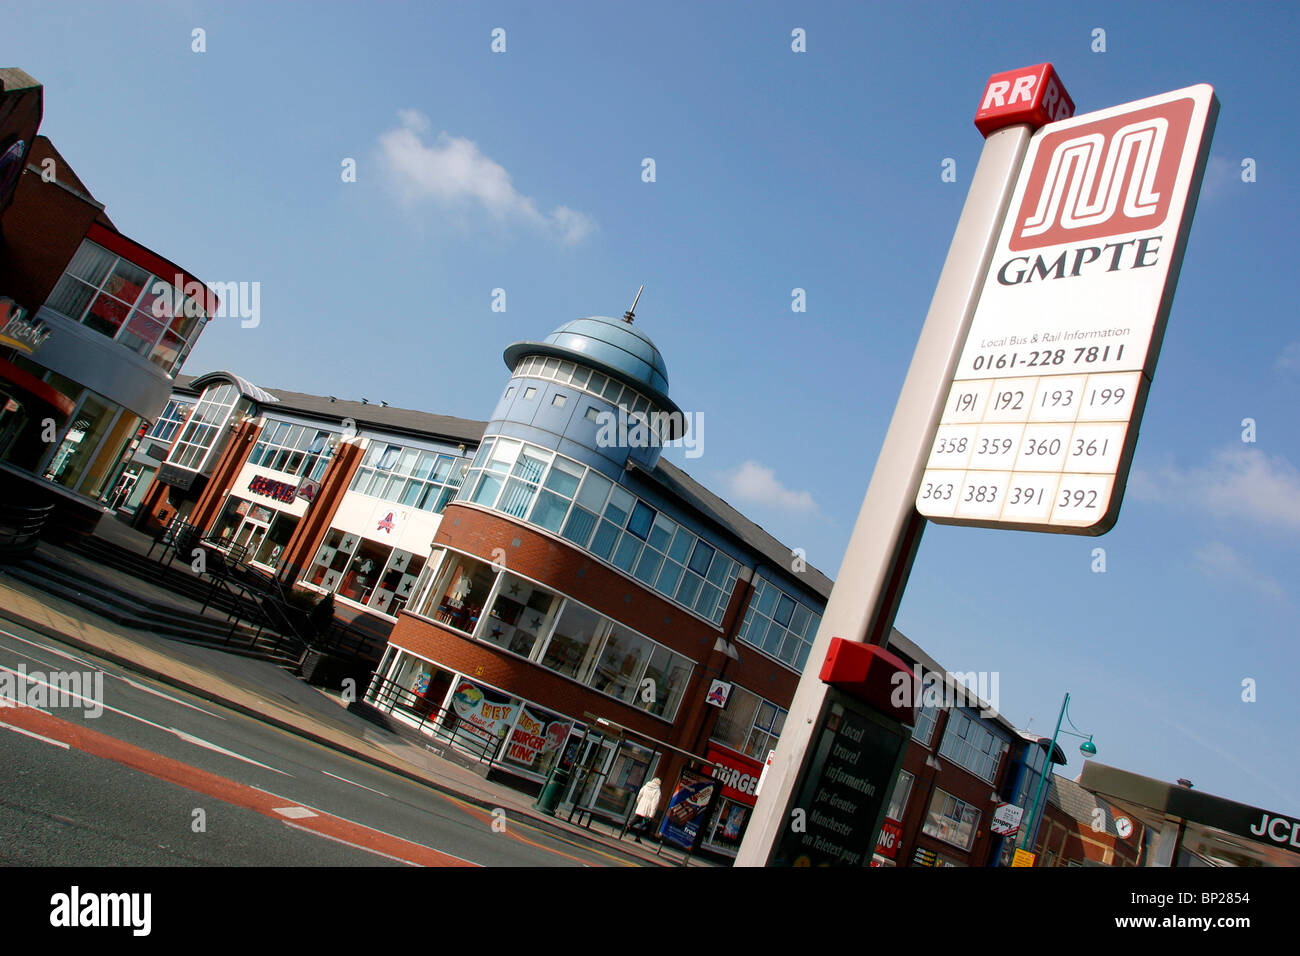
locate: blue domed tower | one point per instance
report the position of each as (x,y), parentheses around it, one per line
(595,390)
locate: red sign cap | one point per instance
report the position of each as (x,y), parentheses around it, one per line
(1031,94)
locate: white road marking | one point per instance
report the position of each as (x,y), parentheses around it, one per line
(28,733)
(354,846)
(188,738)
(368,827)
(295,813)
(174,700)
(46,647)
(8,700)
(200,742)
(354,783)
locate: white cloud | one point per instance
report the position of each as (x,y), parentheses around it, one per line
(1224,564)
(1220,173)
(451,169)
(758,484)
(1239,482)
(1290,357)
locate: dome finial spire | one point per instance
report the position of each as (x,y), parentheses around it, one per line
(630,314)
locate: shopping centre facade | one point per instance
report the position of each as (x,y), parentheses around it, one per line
(548,568)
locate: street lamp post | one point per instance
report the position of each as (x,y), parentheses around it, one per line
(1030,833)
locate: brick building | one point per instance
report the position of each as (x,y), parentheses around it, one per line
(93,325)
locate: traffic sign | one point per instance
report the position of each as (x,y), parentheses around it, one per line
(1042,416)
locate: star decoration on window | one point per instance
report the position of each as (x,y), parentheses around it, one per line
(537,622)
(514,589)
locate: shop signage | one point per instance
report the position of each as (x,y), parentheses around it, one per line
(1023,858)
(686,809)
(1006,819)
(488,712)
(719,691)
(1041,419)
(177,476)
(891,834)
(308,489)
(536,733)
(853,759)
(277,490)
(738,775)
(18,331)
(924,857)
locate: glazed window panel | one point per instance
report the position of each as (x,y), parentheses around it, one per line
(647,568)
(898,798)
(127,282)
(628,550)
(668,577)
(549,511)
(71,297)
(603,542)
(951,820)
(91,263)
(520,616)
(462,587)
(579,526)
(620,663)
(670,673)
(573,647)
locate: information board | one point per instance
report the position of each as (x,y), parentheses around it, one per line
(1041,420)
(840,806)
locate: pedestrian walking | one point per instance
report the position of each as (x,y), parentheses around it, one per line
(647,805)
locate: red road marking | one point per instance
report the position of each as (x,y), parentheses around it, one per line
(209,784)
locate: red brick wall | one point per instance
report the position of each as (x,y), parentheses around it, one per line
(42,229)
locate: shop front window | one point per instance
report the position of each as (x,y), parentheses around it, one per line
(727,826)
(74,454)
(520,616)
(572,649)
(395,584)
(620,663)
(462,588)
(276,540)
(951,820)
(104,464)
(362,573)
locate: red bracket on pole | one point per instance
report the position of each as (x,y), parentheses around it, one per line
(873,675)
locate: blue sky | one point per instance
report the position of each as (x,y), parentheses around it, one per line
(774,170)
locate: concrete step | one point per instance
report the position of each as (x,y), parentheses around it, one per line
(133,612)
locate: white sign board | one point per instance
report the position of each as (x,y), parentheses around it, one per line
(1006,819)
(1042,417)
(719,691)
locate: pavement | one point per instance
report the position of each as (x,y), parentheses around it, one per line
(269,693)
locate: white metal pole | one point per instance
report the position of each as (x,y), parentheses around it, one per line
(879,540)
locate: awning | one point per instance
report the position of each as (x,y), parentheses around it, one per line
(39,390)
